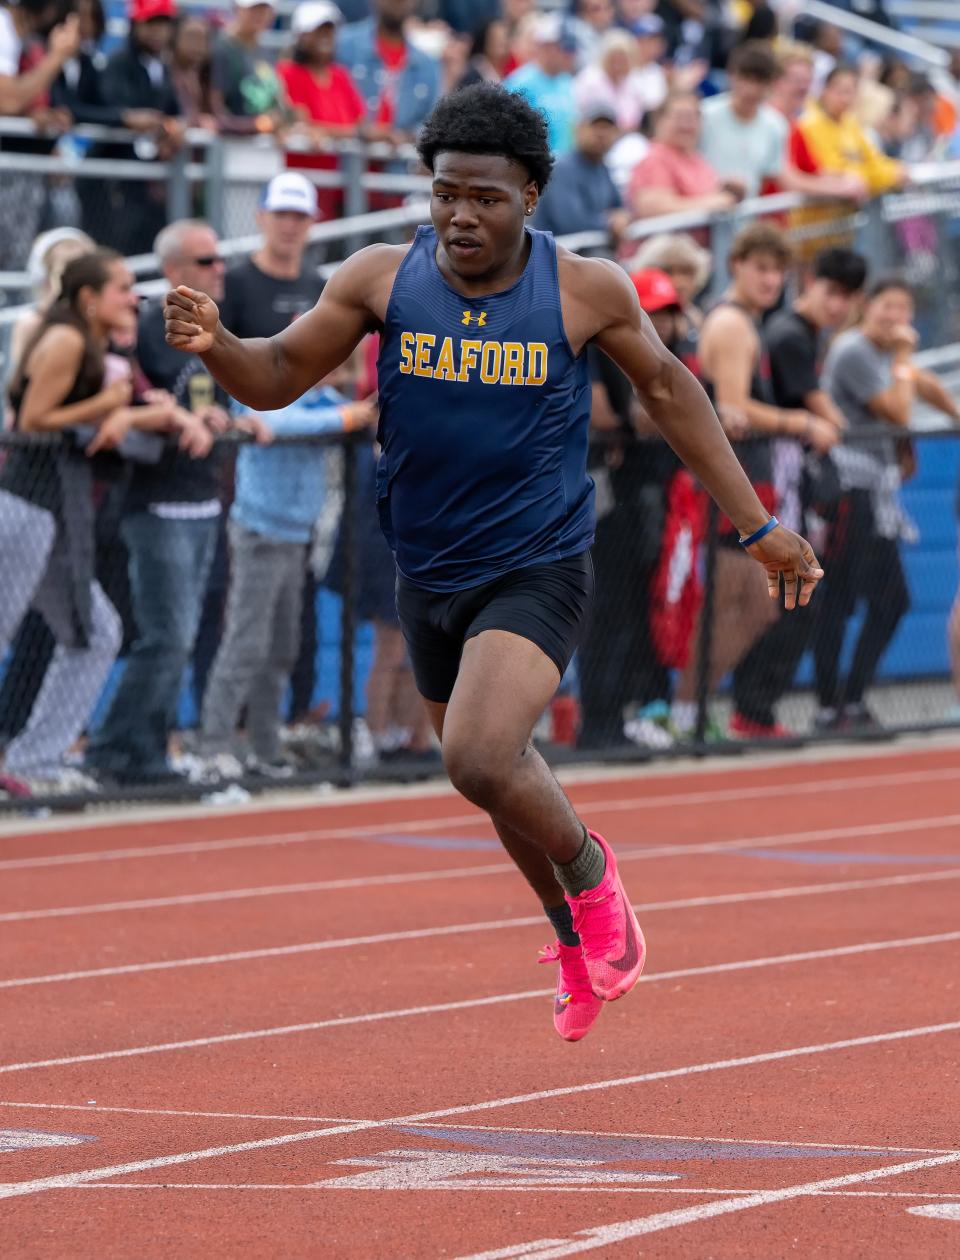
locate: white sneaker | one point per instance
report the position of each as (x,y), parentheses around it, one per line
(278,769)
(221,767)
(647,733)
(364,748)
(65,782)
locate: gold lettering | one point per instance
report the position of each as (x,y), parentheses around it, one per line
(513,356)
(536,363)
(445,369)
(425,343)
(407,342)
(469,354)
(490,362)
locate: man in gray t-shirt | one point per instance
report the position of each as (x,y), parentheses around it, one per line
(857,372)
(742,137)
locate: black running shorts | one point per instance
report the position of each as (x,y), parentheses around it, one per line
(545,603)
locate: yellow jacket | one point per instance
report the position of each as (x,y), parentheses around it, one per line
(843,147)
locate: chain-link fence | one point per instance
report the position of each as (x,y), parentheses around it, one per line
(684,652)
(252,661)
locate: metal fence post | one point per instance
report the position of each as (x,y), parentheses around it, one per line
(874,239)
(213,185)
(178,186)
(348,525)
(353,166)
(722,232)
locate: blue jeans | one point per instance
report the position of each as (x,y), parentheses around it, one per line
(169,566)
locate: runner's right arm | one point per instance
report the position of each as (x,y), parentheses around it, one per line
(267,373)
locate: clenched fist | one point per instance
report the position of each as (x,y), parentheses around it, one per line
(191,319)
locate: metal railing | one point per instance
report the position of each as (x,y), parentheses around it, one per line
(876,33)
(217,175)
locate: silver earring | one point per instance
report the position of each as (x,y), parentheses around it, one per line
(528,211)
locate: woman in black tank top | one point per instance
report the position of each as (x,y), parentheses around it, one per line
(736,374)
(46,506)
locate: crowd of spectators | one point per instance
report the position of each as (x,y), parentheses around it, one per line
(707,111)
(199,563)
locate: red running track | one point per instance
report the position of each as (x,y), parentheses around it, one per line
(320,1031)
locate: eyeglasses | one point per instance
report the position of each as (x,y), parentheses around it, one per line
(205,260)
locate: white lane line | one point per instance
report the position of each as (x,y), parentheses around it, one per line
(508,1128)
(620,1231)
(414,826)
(748,964)
(777,841)
(68,1180)
(211,1115)
(540,1189)
(466,929)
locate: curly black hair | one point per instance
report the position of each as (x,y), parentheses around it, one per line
(486,118)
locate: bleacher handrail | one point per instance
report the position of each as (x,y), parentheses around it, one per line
(925,175)
(877,33)
(376,150)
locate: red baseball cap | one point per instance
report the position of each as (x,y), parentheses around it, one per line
(144,10)
(655,290)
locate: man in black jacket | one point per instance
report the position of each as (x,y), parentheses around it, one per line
(137,78)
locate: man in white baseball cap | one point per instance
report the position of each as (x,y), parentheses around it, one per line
(290,193)
(273,287)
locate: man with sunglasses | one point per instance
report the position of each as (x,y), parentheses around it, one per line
(170,526)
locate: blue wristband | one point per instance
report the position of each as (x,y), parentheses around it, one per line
(761,532)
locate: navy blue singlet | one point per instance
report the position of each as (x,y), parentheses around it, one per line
(484,412)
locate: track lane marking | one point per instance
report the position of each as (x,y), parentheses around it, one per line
(341,1021)
(69,1180)
(505,1128)
(863,830)
(209,1115)
(951,1197)
(457,929)
(620,1231)
(614,805)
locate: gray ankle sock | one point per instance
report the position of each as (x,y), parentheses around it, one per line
(562,919)
(586,869)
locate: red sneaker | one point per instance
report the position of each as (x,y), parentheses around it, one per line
(576,1006)
(743,728)
(613,946)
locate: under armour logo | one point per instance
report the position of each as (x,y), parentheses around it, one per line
(469,317)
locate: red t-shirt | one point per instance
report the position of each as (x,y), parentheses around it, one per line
(799,151)
(394,58)
(335,101)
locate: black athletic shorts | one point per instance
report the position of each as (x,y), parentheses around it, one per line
(545,603)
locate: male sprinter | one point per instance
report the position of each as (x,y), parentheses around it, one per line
(483,492)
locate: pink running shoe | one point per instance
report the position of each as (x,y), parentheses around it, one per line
(576,1006)
(613,946)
